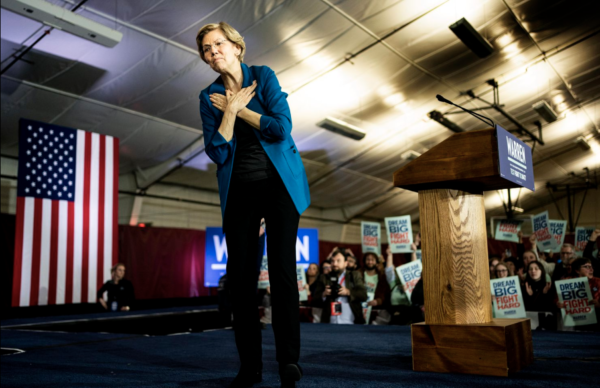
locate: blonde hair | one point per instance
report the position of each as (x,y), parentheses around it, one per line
(230,33)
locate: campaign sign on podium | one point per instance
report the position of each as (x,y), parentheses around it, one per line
(514,159)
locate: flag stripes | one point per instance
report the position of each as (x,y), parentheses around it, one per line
(64,249)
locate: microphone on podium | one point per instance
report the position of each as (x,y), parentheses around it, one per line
(485,119)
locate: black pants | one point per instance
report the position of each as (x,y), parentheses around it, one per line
(247,203)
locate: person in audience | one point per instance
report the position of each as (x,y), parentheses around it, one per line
(537,293)
(588,252)
(399,306)
(351,262)
(375,281)
(312,273)
(512,269)
(493,263)
(582,268)
(562,269)
(502,270)
(120,291)
(326,267)
(342,292)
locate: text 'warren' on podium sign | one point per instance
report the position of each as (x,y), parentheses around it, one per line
(515,161)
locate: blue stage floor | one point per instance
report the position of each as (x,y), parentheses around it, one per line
(332,356)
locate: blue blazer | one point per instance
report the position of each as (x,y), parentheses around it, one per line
(274,135)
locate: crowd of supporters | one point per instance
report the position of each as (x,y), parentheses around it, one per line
(345,282)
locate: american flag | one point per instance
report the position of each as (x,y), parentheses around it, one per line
(67,206)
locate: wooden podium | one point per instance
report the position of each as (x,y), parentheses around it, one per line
(459,334)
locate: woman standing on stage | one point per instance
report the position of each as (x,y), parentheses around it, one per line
(247,132)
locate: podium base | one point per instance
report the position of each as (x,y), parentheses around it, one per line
(497,348)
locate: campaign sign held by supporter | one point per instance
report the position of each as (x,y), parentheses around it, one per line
(576,296)
(301,278)
(263,276)
(507,298)
(409,275)
(370,233)
(366,308)
(399,233)
(558,230)
(545,240)
(506,230)
(582,235)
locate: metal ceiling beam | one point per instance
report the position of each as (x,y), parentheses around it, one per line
(380,40)
(104,104)
(547,60)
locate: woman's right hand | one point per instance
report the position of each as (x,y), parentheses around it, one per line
(238,101)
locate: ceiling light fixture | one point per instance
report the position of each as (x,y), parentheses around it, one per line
(342,128)
(471,38)
(545,111)
(583,143)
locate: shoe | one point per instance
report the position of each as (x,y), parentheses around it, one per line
(246,379)
(289,374)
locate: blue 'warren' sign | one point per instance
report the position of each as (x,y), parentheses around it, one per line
(215,257)
(515,161)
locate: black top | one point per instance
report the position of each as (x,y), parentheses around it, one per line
(251,162)
(121,293)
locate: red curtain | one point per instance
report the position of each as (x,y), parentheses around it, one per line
(163,262)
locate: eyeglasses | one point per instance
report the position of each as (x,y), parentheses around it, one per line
(588,266)
(208,47)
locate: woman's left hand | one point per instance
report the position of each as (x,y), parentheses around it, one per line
(219,101)
(547,287)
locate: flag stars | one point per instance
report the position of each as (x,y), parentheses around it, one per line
(27,177)
(33,172)
(70,159)
(34,147)
(62,134)
(28,140)
(59,194)
(38,191)
(29,127)
(60,146)
(65,176)
(70,183)
(55,175)
(71,136)
(33,159)
(51,131)
(53,187)
(28,164)
(41,129)
(70,171)
(26,190)
(44,185)
(39,178)
(69,195)
(28,152)
(49,192)
(33,184)
(60,169)
(34,134)
(65,188)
